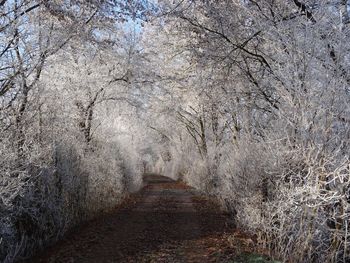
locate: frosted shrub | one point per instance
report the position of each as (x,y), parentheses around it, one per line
(31,207)
(305,214)
(111,172)
(197,175)
(43,200)
(294,200)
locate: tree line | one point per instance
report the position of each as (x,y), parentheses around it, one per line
(244,100)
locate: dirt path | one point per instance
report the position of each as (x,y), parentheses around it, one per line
(166,221)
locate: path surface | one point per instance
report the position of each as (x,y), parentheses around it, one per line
(166,221)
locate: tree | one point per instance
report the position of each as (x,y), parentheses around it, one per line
(271,66)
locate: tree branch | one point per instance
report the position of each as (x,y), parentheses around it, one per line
(227,39)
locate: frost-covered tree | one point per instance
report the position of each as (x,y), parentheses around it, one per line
(62,65)
(269,81)
(246,100)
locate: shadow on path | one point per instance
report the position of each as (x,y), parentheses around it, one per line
(159,224)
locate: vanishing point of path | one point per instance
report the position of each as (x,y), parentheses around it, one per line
(166,221)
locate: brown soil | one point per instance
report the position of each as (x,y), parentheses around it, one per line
(167,221)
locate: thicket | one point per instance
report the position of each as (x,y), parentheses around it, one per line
(66,154)
(245,100)
(262,118)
